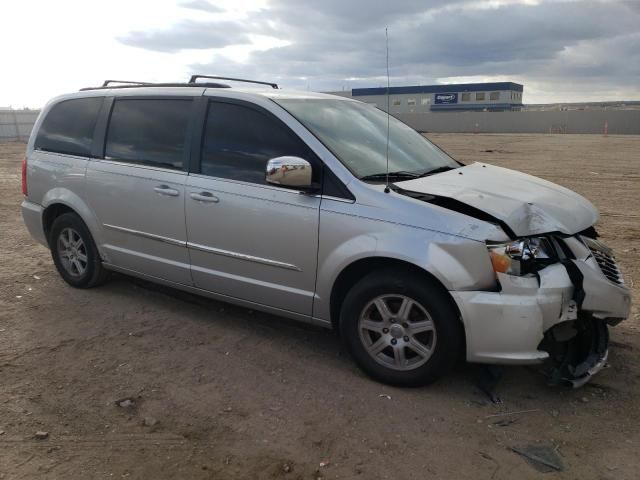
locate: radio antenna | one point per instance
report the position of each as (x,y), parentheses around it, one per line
(386,35)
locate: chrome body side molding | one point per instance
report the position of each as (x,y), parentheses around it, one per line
(243,256)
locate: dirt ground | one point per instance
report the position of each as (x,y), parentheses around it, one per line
(223,392)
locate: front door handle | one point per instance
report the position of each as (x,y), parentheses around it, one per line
(166,190)
(204,197)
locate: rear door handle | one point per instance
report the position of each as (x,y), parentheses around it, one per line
(204,197)
(166,190)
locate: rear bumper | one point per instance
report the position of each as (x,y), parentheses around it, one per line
(32,216)
(507,327)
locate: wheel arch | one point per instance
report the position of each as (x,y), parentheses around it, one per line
(59,201)
(359,268)
(50,214)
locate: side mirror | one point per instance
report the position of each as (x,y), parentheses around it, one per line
(288,171)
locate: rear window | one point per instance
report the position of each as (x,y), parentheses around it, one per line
(149,131)
(68,127)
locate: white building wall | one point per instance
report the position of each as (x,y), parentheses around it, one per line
(422,102)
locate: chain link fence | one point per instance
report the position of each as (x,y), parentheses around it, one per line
(16,125)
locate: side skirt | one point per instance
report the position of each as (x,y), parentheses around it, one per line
(224,298)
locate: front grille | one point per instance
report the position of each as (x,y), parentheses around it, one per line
(605,259)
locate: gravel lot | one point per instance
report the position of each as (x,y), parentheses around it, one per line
(224,392)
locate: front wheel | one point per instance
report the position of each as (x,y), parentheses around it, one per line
(400,328)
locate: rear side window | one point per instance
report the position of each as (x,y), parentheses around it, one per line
(149,131)
(68,127)
(238,142)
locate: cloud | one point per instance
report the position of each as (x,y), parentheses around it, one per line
(189,34)
(560,45)
(201,5)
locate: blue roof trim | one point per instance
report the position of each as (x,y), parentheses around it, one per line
(473,106)
(451,88)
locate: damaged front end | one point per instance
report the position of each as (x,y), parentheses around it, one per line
(556,296)
(578,344)
(557,287)
(577,350)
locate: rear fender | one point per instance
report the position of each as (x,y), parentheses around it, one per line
(64,196)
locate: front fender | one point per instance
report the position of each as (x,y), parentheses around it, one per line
(457,262)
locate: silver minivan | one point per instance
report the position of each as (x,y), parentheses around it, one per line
(325,210)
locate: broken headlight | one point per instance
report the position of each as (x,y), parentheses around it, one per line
(522,256)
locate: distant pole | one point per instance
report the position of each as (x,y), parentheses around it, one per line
(15,123)
(606,128)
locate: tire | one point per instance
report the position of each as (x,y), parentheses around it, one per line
(419,337)
(74,252)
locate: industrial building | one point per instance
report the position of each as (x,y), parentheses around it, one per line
(489,97)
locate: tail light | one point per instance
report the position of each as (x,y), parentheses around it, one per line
(24,176)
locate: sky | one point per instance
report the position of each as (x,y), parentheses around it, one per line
(560,50)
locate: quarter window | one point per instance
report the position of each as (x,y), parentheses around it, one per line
(68,127)
(239,141)
(149,131)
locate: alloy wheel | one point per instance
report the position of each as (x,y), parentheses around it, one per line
(397,332)
(72,252)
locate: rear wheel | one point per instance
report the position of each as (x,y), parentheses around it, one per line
(74,252)
(400,328)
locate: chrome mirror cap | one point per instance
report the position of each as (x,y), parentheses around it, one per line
(289,172)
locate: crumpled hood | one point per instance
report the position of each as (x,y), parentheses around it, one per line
(526,204)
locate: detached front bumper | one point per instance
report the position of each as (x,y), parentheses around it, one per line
(507,327)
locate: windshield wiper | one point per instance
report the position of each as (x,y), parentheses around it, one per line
(394,175)
(437,170)
(402,174)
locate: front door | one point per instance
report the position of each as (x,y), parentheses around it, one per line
(137,191)
(247,239)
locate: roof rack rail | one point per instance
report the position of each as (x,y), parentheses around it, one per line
(196,77)
(192,83)
(128,82)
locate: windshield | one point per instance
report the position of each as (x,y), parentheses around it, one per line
(356,133)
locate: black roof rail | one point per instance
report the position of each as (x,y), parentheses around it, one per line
(192,83)
(196,77)
(127,84)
